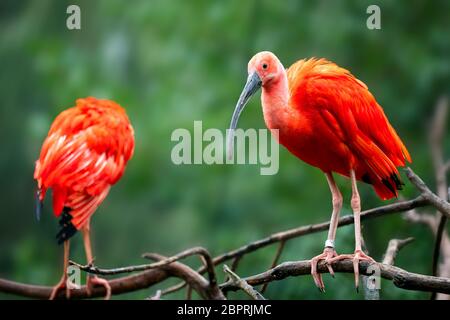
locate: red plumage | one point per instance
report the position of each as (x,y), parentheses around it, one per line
(84,154)
(341,126)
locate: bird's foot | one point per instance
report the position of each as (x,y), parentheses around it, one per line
(64,283)
(356,258)
(96,281)
(327,255)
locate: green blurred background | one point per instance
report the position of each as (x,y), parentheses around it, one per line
(172,62)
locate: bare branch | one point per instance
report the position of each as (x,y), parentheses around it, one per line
(174,288)
(235,263)
(204,288)
(118,286)
(194,251)
(394,247)
(156,296)
(439,203)
(399,277)
(188,293)
(401,206)
(274,262)
(202,252)
(423,218)
(436,138)
(446,167)
(238,282)
(397,207)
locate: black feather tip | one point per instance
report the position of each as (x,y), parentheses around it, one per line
(67,228)
(39,205)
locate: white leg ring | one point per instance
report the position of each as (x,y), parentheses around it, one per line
(329,244)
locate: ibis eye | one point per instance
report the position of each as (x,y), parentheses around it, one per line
(264,65)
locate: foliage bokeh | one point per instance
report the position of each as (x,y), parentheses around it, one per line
(172,62)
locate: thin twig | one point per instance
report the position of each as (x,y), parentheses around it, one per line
(235,263)
(161,263)
(274,262)
(206,289)
(173,288)
(437,245)
(156,296)
(440,204)
(202,252)
(436,138)
(188,293)
(194,251)
(446,167)
(393,248)
(234,266)
(423,218)
(238,282)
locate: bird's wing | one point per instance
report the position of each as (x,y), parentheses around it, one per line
(346,104)
(81,157)
(336,90)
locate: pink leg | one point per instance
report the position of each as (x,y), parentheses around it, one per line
(93,280)
(359,255)
(328,252)
(62,284)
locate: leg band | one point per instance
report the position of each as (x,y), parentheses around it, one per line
(329,244)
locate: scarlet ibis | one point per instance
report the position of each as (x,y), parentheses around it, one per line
(84,154)
(329,119)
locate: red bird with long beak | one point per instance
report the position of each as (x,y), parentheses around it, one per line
(328,118)
(84,154)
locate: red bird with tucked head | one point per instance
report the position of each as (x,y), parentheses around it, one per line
(84,154)
(329,119)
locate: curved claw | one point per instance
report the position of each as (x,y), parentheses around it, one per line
(356,272)
(62,284)
(356,258)
(93,281)
(330,268)
(317,277)
(327,255)
(359,256)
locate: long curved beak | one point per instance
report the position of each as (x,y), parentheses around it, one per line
(253,84)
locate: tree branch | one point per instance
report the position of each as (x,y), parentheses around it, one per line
(274,262)
(238,282)
(206,289)
(399,277)
(401,206)
(394,247)
(437,202)
(436,139)
(166,267)
(118,286)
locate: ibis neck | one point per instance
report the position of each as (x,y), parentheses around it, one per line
(275,102)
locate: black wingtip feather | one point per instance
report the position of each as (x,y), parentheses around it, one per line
(39,206)
(398,183)
(388,184)
(393,183)
(67,228)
